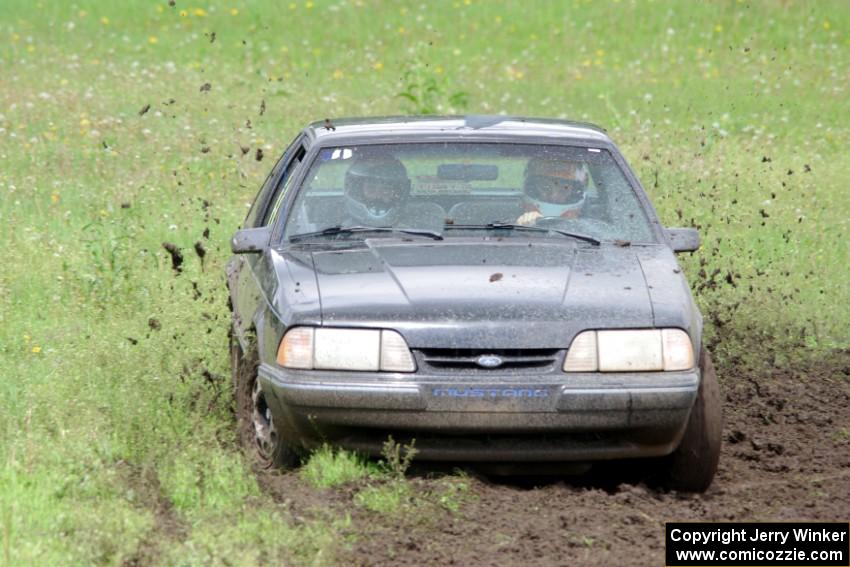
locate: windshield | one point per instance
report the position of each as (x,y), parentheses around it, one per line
(456,189)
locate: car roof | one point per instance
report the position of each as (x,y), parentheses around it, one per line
(409,128)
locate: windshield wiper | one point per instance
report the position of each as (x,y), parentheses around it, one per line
(334,230)
(511,226)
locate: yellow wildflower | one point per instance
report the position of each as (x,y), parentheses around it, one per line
(36,349)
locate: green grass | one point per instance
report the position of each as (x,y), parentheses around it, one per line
(328,467)
(116,404)
(395,496)
(390,498)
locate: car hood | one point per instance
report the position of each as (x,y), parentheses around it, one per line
(492,294)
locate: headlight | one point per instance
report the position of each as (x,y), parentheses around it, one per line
(630,351)
(345,349)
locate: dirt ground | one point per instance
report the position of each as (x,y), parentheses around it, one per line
(786,456)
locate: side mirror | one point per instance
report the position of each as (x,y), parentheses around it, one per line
(251,240)
(684,239)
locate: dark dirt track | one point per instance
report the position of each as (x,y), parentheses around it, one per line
(786,456)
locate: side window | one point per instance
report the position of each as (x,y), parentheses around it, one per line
(283,187)
(265,193)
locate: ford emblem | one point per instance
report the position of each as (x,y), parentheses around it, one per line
(489,361)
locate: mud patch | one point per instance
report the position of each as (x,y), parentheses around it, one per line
(167,529)
(786,456)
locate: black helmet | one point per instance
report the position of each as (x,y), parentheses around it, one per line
(376,188)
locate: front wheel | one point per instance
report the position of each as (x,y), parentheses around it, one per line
(691,467)
(258,433)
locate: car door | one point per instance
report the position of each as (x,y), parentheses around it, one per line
(251,276)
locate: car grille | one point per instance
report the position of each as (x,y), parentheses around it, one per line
(445,359)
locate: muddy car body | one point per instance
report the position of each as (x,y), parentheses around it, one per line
(569,338)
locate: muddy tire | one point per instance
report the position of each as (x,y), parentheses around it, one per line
(691,467)
(258,434)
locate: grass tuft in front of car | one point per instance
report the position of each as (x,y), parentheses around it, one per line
(389,498)
(328,467)
(385,486)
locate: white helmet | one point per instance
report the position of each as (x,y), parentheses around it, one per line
(556,188)
(376,188)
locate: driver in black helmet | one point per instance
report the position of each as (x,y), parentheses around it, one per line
(376,190)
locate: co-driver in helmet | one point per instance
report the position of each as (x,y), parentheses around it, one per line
(553,188)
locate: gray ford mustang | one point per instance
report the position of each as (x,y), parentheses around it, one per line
(498,289)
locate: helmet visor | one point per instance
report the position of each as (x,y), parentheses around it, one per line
(379,195)
(554,189)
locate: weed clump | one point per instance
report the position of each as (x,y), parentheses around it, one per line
(397,457)
(424,91)
(328,467)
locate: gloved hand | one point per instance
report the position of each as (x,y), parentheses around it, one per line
(527,219)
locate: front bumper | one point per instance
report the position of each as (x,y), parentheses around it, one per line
(486,417)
